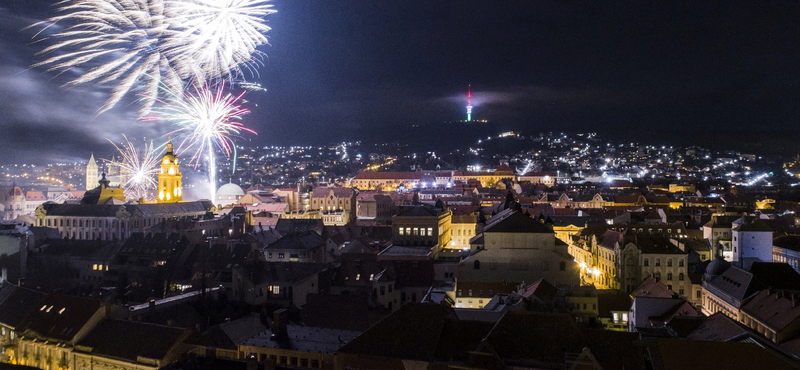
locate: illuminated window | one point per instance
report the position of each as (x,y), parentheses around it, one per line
(430,231)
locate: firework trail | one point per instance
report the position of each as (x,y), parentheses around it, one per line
(208,119)
(139,168)
(144,44)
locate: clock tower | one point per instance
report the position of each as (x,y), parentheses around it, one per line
(169,180)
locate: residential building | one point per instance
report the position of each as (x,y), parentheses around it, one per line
(752,241)
(419,231)
(128,345)
(516,249)
(281,283)
(306,246)
(49,334)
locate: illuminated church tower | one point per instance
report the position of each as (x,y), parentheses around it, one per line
(91,174)
(169,181)
(469,104)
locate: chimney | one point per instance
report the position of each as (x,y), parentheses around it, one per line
(279,323)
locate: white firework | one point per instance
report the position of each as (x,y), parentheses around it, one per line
(138,168)
(140,45)
(120,41)
(222,35)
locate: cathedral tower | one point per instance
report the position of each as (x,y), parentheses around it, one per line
(169,181)
(91,174)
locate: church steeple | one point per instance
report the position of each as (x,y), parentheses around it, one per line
(91,173)
(169,181)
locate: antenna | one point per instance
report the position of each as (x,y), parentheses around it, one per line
(469,103)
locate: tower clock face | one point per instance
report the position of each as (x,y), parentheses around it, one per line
(166,161)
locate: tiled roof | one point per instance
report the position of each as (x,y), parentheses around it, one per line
(773,309)
(60,316)
(323,192)
(344,312)
(653,244)
(297,241)
(718,327)
(733,285)
(534,338)
(147,210)
(290,272)
(510,221)
(679,354)
(17,302)
(127,340)
(371,175)
(757,225)
(776,275)
(391,337)
(791,242)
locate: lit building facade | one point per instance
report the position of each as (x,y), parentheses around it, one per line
(169,180)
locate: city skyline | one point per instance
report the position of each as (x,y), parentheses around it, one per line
(360,71)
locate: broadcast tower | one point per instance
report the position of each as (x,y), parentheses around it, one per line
(469,103)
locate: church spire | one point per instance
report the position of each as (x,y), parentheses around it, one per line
(169,146)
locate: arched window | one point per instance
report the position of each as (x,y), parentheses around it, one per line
(476,265)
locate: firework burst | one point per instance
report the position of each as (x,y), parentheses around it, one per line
(138,168)
(208,119)
(145,44)
(222,35)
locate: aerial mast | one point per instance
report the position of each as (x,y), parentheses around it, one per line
(469,103)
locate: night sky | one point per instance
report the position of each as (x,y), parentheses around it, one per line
(361,69)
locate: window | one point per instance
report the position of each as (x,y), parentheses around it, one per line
(400,231)
(476,265)
(647,262)
(280,255)
(680,262)
(458,293)
(698,294)
(358,276)
(669,276)
(681,291)
(470,292)
(680,276)
(416,231)
(669,286)
(390,287)
(430,231)
(669,262)
(269,255)
(383,290)
(658,261)
(275,289)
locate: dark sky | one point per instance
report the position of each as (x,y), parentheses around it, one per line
(353,69)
